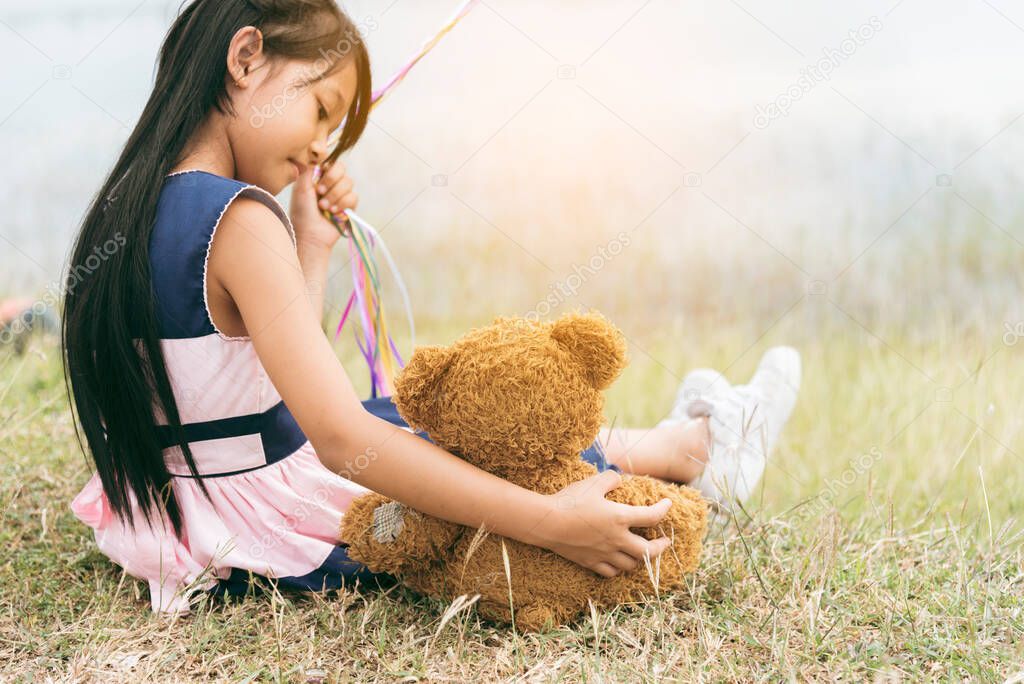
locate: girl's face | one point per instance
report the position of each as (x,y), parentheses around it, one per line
(284,119)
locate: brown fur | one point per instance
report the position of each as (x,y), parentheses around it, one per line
(521,399)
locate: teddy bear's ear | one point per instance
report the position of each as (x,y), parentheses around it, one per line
(597,345)
(417,386)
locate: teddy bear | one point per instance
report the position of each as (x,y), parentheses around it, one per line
(519,398)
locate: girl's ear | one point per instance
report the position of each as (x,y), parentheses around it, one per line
(244,51)
(418,396)
(597,346)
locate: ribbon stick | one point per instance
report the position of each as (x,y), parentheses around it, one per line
(377,346)
(380,93)
(465,9)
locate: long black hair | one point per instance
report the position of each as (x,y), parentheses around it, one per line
(113,362)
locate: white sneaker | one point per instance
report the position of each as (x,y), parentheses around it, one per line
(745,425)
(698,386)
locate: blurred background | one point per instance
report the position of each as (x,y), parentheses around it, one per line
(715,177)
(885,179)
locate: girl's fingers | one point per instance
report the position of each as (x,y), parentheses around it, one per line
(337,189)
(646,516)
(330,177)
(605,570)
(624,562)
(332,173)
(637,547)
(340,195)
(349,201)
(608,480)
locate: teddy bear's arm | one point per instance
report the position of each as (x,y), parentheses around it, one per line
(387,536)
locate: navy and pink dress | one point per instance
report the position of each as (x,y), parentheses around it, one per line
(274,511)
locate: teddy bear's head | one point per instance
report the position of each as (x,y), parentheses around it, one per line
(514,394)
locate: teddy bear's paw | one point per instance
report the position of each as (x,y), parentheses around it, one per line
(535,618)
(388,521)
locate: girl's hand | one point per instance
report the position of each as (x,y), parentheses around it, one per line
(592,531)
(309,202)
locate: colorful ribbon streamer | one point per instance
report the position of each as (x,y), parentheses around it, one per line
(376,345)
(459,15)
(378,349)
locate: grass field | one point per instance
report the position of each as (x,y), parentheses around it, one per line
(885,544)
(875,226)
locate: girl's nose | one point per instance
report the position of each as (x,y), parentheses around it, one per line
(319,150)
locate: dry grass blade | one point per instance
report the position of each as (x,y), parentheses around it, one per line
(508,578)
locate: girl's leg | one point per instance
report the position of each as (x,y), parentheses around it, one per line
(676,452)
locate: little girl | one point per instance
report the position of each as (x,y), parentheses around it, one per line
(227,439)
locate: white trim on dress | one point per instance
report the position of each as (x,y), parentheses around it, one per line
(254,192)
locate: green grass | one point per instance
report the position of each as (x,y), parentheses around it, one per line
(885,543)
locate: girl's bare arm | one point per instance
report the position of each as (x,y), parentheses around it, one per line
(253,259)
